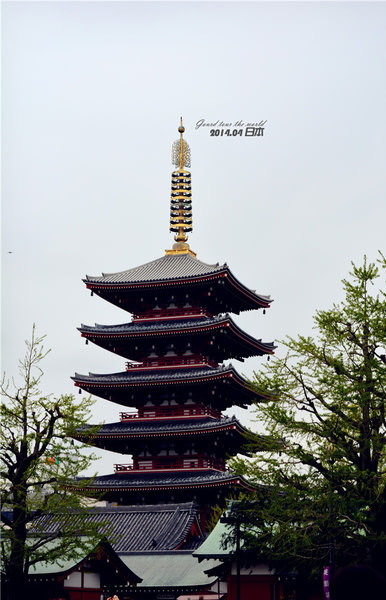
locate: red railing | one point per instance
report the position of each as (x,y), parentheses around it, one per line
(167,412)
(175,361)
(171,313)
(171,464)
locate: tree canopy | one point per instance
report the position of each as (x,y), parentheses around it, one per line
(322,476)
(39,465)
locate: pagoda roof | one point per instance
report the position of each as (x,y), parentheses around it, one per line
(139,528)
(172,271)
(115,387)
(161,269)
(121,338)
(168,480)
(113,436)
(161,428)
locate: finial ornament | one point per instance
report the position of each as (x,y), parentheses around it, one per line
(181,197)
(181,151)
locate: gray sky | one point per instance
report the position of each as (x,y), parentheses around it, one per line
(92,95)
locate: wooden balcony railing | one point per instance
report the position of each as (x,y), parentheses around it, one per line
(172,361)
(167,412)
(171,313)
(179,463)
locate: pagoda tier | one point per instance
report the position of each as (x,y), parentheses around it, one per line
(217,337)
(176,282)
(182,440)
(208,487)
(217,387)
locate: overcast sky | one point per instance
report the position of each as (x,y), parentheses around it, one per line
(92,96)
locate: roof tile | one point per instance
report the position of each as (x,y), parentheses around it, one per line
(166,267)
(138,528)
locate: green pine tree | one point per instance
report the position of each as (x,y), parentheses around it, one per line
(324,470)
(39,464)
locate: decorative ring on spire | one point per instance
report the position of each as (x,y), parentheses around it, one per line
(181,202)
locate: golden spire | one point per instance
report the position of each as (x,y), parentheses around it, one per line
(181,198)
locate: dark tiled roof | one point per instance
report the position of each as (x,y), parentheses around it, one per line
(235,390)
(137,328)
(166,480)
(157,375)
(134,427)
(166,267)
(138,528)
(159,325)
(178,269)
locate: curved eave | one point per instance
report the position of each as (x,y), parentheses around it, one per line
(126,378)
(136,285)
(256,300)
(131,334)
(164,268)
(105,386)
(243,297)
(110,438)
(156,487)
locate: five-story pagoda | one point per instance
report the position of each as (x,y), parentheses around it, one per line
(175,344)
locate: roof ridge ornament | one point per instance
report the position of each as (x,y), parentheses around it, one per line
(181,197)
